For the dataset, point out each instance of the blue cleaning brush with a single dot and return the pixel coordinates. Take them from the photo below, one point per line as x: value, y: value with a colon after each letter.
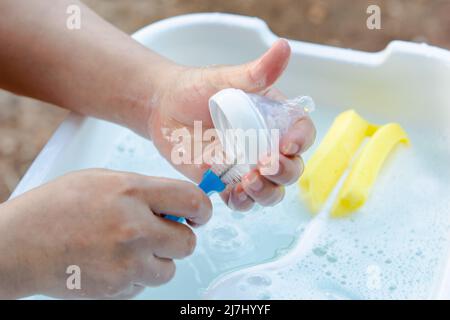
x: 216, y: 179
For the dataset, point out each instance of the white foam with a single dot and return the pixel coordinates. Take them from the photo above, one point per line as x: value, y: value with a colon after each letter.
x: 394, y: 247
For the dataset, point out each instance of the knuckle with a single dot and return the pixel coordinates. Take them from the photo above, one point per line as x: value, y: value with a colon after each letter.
x: 127, y: 185
x: 251, y: 78
x: 129, y: 231
x: 119, y: 183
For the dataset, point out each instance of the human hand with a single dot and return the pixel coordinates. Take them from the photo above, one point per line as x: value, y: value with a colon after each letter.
x: 105, y: 222
x: 183, y: 98
x: 119, y: 80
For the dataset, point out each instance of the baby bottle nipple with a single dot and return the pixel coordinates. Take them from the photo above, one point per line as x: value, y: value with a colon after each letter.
x: 235, y: 112
x: 282, y: 114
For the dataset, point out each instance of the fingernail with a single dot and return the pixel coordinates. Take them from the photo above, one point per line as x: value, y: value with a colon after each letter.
x: 271, y: 166
x: 291, y: 148
x: 241, y: 196
x: 254, y: 183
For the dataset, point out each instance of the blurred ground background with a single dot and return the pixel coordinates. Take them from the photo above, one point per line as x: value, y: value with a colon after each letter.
x: 26, y: 125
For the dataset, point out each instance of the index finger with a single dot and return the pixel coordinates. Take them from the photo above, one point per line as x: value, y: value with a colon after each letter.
x: 177, y: 198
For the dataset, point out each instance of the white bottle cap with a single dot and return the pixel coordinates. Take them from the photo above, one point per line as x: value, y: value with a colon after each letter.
x: 233, y: 109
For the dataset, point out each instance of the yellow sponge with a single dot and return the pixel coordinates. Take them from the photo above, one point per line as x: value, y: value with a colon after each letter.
x: 334, y: 155
x: 357, y: 185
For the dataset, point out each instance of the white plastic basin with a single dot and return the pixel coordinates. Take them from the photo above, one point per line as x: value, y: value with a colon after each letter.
x: 403, y: 230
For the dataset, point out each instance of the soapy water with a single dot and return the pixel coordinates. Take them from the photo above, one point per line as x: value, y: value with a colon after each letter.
x: 254, y: 281
x: 395, y: 251
x: 229, y: 240
x: 394, y: 247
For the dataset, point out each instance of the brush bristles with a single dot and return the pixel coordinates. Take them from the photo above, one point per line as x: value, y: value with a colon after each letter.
x: 220, y: 169
x: 234, y: 174
x: 230, y: 174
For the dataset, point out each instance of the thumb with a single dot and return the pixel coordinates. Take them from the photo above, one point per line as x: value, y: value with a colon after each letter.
x: 256, y: 75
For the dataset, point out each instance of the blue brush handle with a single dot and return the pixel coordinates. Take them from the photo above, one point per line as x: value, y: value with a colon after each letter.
x: 210, y: 183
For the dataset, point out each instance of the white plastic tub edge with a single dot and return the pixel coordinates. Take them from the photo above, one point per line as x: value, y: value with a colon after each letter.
x: 53, y: 150
x: 49, y: 155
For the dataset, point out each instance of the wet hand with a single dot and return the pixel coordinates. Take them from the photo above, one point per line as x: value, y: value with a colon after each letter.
x: 108, y: 224
x: 183, y: 99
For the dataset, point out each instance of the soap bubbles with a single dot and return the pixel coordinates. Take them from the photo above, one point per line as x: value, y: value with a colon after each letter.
x: 392, y: 248
x: 227, y: 241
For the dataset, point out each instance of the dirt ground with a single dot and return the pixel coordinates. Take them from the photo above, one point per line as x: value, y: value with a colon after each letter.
x: 26, y: 125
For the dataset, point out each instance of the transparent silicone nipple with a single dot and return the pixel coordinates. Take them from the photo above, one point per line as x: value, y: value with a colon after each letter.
x: 282, y: 114
x: 252, y: 125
